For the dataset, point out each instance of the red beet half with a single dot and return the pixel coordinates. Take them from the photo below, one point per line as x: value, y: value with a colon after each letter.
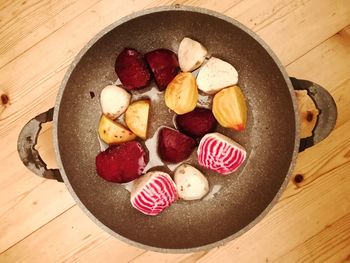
x: 132, y: 70
x: 164, y: 66
x: 173, y: 146
x: 121, y: 163
x: 196, y: 123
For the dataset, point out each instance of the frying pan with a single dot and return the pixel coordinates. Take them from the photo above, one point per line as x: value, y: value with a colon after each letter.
x: 271, y: 137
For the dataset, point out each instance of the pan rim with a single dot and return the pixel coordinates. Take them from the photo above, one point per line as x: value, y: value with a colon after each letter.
x: 149, y: 11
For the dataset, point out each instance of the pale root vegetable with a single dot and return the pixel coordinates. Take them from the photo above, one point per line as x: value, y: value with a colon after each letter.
x: 112, y: 132
x: 191, y: 184
x: 215, y: 75
x: 136, y: 117
x: 230, y: 108
x: 114, y: 101
x: 191, y: 54
x: 181, y: 94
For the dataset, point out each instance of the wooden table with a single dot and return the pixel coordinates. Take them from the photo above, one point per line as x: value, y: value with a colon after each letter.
x: 39, y: 221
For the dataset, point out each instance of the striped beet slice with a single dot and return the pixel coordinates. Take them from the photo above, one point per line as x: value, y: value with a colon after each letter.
x: 153, y: 192
x: 220, y: 153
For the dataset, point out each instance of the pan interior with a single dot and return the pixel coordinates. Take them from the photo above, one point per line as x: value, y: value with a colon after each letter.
x: 269, y: 137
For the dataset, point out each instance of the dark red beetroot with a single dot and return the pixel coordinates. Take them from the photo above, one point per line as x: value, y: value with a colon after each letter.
x: 132, y: 70
x: 196, y: 123
x: 173, y: 146
x: 164, y: 66
x: 121, y: 163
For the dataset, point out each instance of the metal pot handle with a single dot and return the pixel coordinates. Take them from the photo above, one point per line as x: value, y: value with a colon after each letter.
x: 26, y: 143
x: 327, y: 111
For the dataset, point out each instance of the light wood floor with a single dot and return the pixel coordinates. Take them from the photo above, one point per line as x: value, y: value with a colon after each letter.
x: 39, y: 221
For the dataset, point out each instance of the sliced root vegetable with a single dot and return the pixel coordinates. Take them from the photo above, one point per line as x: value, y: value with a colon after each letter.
x: 191, y: 54
x: 230, y: 108
x: 181, y: 95
x: 121, y: 163
x: 153, y: 192
x: 215, y: 75
x: 196, y: 123
x: 136, y: 117
x: 220, y: 153
x: 112, y: 132
x: 164, y: 66
x: 132, y: 70
x: 173, y: 146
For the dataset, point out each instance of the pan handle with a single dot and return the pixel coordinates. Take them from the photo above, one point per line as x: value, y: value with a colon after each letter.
x: 26, y: 143
x: 327, y: 111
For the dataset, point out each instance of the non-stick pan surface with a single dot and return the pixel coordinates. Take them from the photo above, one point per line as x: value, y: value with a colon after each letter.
x: 270, y: 138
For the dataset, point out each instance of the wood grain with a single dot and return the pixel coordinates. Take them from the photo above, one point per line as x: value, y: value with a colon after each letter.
x: 334, y: 247
x: 292, y: 28
x: 34, y: 21
x: 39, y: 39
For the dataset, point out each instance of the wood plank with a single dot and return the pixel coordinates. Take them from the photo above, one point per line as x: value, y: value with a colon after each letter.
x: 20, y: 188
x: 150, y: 256
x: 333, y: 248
x: 34, y: 21
x: 292, y: 28
x: 109, y: 249
x: 218, y: 6
x: 31, y: 209
x: 32, y: 199
x: 342, y: 101
x: 319, y: 67
x: 45, y: 148
x: 70, y: 228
